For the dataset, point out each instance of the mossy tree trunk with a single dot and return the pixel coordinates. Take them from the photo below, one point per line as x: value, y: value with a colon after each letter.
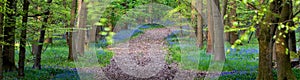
x: 282, y: 52
x: 265, y: 39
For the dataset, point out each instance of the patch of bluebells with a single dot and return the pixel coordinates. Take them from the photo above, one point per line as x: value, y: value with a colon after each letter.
x: 122, y: 35
x: 243, y: 51
x: 171, y: 39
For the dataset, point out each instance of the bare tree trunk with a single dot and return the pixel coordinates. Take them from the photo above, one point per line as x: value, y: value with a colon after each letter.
x: 199, y: 25
x: 9, y: 31
x: 82, y: 24
x: 219, y: 51
x: 92, y: 34
x: 23, y: 39
x: 71, y: 56
x: 210, y: 25
x: 37, y: 61
x: 283, y: 56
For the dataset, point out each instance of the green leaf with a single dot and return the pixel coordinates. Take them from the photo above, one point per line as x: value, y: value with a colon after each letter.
x: 99, y: 24
x: 103, y: 33
x: 107, y: 29
x: 286, y: 51
x: 103, y: 20
x: 235, y: 23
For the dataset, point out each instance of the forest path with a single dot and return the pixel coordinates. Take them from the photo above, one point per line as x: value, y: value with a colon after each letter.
x: 143, y: 58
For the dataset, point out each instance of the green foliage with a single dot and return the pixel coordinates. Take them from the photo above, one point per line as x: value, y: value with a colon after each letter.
x: 34, y: 74
x: 104, y: 57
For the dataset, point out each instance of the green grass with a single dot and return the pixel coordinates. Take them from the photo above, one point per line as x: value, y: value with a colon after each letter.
x: 56, y: 57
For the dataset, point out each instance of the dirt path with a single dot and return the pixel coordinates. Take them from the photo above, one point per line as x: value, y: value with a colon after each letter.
x: 142, y: 58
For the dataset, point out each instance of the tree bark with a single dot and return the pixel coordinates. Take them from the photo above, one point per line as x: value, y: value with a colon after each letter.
x: 23, y: 39
x: 265, y: 39
x: 283, y: 56
x: 226, y: 21
x: 37, y: 61
x: 71, y: 56
x: 199, y: 25
x: 9, y: 32
x: 210, y: 25
x: 219, y: 52
x: 81, y: 24
x: 233, y: 35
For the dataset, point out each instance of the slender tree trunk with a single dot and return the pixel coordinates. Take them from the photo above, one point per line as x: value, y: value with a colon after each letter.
x: 292, y: 39
x: 70, y: 34
x: 81, y: 24
x: 226, y: 21
x: 9, y: 31
x: 233, y: 35
x: 37, y: 62
x: 1, y: 45
x: 219, y: 51
x: 193, y: 21
x: 265, y: 39
x: 199, y: 25
x: 92, y: 34
x: 283, y: 56
x: 23, y: 39
x: 210, y: 25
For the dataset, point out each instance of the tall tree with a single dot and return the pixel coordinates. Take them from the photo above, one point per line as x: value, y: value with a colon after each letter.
x: 70, y: 35
x: 282, y: 54
x: 199, y: 25
x: 218, y: 41
x: 265, y: 39
x: 233, y: 15
x: 37, y: 61
x: 81, y: 24
x: 210, y: 25
x: 9, y: 37
x: 23, y: 38
x: 226, y: 21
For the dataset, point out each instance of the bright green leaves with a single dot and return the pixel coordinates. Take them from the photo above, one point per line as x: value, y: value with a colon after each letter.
x: 103, y: 33
x: 286, y: 51
x: 102, y: 22
x: 235, y: 24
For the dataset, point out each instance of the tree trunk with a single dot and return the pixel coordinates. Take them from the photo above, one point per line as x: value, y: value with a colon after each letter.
x: 71, y: 56
x: 265, y: 39
x: 199, y: 25
x: 233, y: 35
x: 210, y: 25
x: 37, y: 61
x: 1, y: 45
x: 283, y: 56
x: 218, y: 42
x: 9, y: 31
x: 23, y: 39
x: 81, y: 24
x: 92, y: 34
x: 226, y: 21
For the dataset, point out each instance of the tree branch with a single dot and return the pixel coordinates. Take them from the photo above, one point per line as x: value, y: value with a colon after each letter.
x: 296, y: 13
